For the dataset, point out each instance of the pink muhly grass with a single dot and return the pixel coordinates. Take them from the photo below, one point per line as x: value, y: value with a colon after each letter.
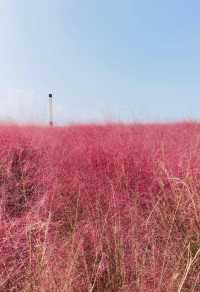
x: 100, y: 208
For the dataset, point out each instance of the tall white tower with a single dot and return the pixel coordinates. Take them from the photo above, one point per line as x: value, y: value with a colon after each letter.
x: 50, y: 110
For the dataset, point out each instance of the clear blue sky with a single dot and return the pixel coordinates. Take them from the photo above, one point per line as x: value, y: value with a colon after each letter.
x: 103, y: 60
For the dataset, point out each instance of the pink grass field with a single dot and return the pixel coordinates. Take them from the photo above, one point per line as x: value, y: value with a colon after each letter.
x: 100, y: 208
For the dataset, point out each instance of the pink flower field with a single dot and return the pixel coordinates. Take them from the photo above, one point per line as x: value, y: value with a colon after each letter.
x: 111, y: 207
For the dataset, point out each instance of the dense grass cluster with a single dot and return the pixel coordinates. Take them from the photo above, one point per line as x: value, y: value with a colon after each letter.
x: 100, y: 208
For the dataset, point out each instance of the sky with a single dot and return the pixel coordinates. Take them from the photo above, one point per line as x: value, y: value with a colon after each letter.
x: 104, y: 60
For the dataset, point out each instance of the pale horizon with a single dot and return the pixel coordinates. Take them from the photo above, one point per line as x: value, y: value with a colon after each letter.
x: 127, y: 61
